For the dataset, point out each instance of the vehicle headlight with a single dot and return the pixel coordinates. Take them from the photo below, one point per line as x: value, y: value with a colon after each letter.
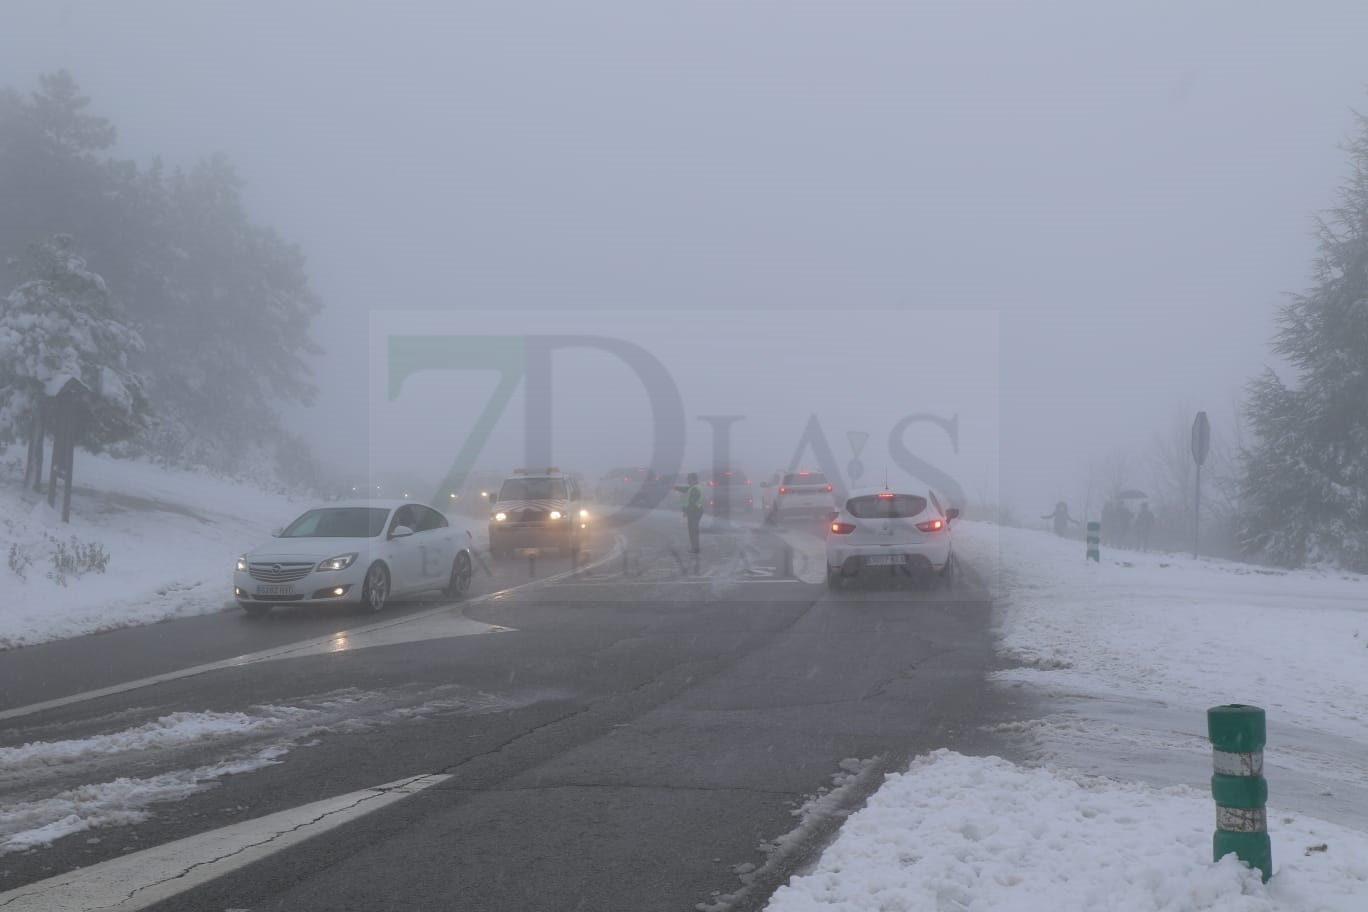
x: 555, y: 514
x: 584, y: 514
x: 340, y: 562
x: 242, y: 564
x: 500, y: 517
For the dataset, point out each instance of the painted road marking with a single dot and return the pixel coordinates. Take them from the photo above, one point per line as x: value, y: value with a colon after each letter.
x: 141, y: 879
x: 442, y: 621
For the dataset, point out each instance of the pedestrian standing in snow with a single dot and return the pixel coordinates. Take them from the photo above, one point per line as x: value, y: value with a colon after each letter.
x: 1061, y: 519
x: 1124, y: 518
x: 693, y: 510
x: 1144, y: 525
x: 1109, y: 523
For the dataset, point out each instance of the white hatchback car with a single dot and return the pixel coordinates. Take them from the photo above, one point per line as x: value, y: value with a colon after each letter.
x: 797, y: 494
x: 890, y: 532
x: 356, y: 552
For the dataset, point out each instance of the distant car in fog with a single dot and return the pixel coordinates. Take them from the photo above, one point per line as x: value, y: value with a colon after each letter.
x: 656, y: 491
x: 789, y: 494
x: 729, y: 490
x: 361, y: 553
x: 620, y: 485
x: 894, y: 533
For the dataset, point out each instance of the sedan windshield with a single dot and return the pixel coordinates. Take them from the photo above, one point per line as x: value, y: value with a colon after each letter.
x: 880, y: 506
x: 339, y: 522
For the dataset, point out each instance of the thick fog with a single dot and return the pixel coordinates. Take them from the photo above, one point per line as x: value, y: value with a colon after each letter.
x: 1058, y: 224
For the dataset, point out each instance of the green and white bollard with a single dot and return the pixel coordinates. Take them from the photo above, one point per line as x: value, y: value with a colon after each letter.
x: 1237, y: 735
x: 1095, y: 541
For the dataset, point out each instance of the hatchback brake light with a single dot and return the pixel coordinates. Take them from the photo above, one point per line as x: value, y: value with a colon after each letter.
x: 887, y: 495
x: 931, y: 525
x: 828, y: 489
x: 842, y: 528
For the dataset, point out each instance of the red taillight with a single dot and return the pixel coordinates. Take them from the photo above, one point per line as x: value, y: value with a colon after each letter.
x: 841, y: 528
x: 712, y: 482
x: 804, y: 473
x: 931, y: 525
x: 783, y: 490
x: 887, y: 495
x: 828, y: 489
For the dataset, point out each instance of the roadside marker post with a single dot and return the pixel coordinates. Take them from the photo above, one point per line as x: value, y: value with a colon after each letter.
x: 1095, y: 541
x: 1238, y: 734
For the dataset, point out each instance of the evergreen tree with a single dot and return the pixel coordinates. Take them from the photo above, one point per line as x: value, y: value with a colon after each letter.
x: 222, y: 303
x: 59, y: 324
x: 52, y: 176
x: 1304, y: 481
x: 232, y: 325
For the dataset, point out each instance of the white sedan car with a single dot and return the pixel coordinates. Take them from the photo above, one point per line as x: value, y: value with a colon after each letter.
x: 361, y: 553
x: 797, y: 494
x: 890, y: 532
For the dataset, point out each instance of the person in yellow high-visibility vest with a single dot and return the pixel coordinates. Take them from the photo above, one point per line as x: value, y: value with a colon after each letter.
x: 693, y: 509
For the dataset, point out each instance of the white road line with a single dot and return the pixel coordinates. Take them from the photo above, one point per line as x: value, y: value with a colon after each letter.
x: 377, y: 634
x: 141, y: 879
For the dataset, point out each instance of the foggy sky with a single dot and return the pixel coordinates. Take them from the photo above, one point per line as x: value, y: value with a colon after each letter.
x: 1128, y: 191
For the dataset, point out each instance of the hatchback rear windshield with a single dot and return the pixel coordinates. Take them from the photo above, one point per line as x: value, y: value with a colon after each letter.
x: 804, y: 478
x: 339, y: 522
x: 533, y: 489
x: 899, y: 506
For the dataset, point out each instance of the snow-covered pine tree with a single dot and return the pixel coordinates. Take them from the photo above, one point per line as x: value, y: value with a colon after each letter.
x: 1304, y: 480
x: 57, y: 324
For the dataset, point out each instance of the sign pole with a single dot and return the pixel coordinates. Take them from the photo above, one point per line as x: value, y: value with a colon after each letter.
x: 1197, y: 513
x: 1201, y: 444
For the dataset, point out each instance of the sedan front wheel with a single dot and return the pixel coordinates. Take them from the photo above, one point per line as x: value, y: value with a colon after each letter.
x: 376, y: 588
x: 459, y: 582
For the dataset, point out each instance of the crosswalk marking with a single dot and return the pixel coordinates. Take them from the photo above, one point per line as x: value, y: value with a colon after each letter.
x: 141, y: 879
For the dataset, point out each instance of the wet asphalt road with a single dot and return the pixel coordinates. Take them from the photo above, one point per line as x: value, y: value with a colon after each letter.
x: 637, y: 735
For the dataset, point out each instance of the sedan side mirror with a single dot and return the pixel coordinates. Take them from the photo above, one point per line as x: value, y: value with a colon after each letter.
x: 275, y: 533
x: 952, y: 513
x: 831, y: 517
x: 400, y: 532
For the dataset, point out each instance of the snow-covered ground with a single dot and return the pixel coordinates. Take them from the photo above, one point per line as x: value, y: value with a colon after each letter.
x: 1113, y: 810
x: 170, y: 538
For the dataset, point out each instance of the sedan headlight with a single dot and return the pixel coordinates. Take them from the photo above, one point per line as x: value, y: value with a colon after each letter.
x: 584, y: 514
x: 242, y: 564
x: 555, y: 514
x: 500, y: 517
x: 340, y: 562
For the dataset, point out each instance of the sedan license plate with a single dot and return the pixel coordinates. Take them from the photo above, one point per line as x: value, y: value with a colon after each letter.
x: 885, y: 560
x: 275, y: 590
